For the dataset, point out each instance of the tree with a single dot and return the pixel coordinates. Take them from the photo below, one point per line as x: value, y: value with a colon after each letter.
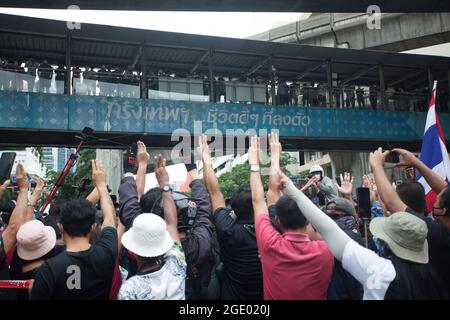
x: 70, y: 188
x: 240, y: 175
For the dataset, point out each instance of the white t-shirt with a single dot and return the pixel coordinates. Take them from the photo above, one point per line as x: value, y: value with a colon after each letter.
x: 373, y: 272
x: 167, y: 283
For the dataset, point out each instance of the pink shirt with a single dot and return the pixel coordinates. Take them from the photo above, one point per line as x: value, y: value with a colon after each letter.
x: 294, y: 267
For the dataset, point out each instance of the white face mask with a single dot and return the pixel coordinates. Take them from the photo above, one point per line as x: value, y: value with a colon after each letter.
x: 318, y: 176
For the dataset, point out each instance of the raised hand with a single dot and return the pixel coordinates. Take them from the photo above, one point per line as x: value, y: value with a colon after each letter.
x: 142, y: 155
x: 366, y: 181
x: 377, y: 157
x: 4, y: 186
x: 21, y: 178
x: 346, y: 187
x: 407, y: 159
x: 98, y: 174
x: 160, y: 170
x: 254, y: 151
x: 275, y: 145
x: 311, y: 182
x: 203, y: 149
x: 37, y: 193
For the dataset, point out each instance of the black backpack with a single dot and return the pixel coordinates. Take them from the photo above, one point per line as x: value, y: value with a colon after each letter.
x: 206, y: 281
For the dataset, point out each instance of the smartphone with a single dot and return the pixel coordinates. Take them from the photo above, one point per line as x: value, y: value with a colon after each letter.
x: 363, y: 199
x: 6, y: 165
x: 338, y: 180
x: 392, y: 157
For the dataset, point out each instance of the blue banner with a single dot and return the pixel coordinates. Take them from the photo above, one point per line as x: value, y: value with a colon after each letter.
x: 62, y: 112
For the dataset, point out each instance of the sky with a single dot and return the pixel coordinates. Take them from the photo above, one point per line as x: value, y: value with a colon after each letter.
x: 223, y: 24
x: 437, y: 50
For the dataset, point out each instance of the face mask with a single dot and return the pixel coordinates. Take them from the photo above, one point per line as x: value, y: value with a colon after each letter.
x: 318, y: 176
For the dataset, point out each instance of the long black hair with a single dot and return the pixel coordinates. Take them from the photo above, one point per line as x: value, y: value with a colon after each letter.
x: 415, y: 281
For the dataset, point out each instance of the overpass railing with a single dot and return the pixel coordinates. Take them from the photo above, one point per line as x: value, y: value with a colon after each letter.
x: 92, y: 83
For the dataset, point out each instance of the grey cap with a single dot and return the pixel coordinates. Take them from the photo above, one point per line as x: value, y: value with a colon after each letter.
x: 405, y: 234
x: 343, y: 205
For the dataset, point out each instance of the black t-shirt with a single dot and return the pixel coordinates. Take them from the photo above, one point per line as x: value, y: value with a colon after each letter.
x: 85, y: 275
x: 239, y: 253
x: 438, y: 247
x: 17, y: 264
x: 5, y: 294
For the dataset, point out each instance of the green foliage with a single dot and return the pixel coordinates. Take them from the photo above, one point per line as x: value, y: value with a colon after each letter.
x: 69, y: 189
x: 304, y: 174
x: 240, y: 175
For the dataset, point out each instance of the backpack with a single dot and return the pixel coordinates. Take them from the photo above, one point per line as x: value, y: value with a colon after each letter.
x: 207, y: 281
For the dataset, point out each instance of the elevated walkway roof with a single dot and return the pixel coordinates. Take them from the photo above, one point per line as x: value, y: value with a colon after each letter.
x: 94, y: 45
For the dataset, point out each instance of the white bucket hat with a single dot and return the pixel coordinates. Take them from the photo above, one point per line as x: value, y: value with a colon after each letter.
x: 148, y: 237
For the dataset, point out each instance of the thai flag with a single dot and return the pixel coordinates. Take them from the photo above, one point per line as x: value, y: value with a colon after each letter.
x: 434, y: 153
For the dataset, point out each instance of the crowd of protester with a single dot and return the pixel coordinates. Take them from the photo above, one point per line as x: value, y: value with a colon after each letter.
x: 272, y: 244
x: 106, y: 80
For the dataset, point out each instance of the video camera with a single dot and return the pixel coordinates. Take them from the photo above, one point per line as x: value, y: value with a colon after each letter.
x: 186, y: 210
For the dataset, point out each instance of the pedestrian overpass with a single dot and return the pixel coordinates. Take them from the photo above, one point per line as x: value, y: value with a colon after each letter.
x: 32, y: 118
x: 52, y: 119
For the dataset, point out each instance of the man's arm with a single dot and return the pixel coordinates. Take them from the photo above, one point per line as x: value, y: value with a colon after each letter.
x: 19, y: 215
x: 274, y: 193
x: 37, y: 193
x: 99, y: 179
x: 409, y: 160
x: 209, y: 176
x: 129, y: 204
x: 170, y: 210
x: 198, y: 245
x: 93, y: 197
x: 386, y: 192
x: 142, y: 158
x: 259, y: 204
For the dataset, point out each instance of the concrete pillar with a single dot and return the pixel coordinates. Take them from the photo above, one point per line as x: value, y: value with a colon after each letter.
x: 356, y: 163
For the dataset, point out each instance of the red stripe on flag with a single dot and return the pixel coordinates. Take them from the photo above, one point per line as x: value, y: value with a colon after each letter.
x: 433, y: 98
x: 431, y: 199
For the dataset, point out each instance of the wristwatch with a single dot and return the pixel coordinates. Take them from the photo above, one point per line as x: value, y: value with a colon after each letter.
x: 166, y: 188
x: 254, y: 168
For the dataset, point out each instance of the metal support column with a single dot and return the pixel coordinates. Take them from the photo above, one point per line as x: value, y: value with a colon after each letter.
x: 330, y: 84
x: 144, y: 81
x: 382, y: 87
x: 272, y: 81
x: 68, y: 78
x: 211, y: 77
